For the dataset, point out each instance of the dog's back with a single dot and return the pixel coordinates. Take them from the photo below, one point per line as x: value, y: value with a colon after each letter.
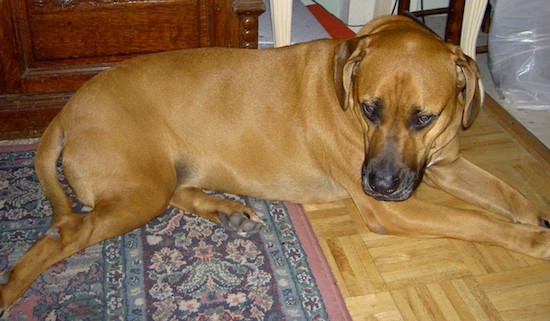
x: 174, y: 104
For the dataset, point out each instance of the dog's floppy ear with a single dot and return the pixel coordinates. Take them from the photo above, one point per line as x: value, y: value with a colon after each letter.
x: 468, y: 80
x: 347, y: 58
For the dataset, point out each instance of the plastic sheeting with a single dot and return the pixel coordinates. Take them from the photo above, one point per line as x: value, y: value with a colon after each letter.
x: 519, y: 52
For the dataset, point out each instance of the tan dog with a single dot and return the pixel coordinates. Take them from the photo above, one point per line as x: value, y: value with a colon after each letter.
x: 369, y: 117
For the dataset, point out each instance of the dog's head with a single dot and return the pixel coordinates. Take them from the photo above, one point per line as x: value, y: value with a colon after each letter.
x: 411, y: 92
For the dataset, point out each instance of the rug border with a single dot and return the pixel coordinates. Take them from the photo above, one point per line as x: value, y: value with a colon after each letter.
x: 319, y: 266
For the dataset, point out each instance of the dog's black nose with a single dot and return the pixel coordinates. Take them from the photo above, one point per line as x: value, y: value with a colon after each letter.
x: 384, y: 185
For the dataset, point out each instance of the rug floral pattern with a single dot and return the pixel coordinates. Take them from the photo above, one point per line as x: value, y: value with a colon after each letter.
x: 177, y: 267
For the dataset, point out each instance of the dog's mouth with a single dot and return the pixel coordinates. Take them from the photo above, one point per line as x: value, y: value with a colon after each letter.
x: 389, y: 183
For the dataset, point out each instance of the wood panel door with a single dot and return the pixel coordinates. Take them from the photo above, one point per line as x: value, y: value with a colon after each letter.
x: 48, y: 48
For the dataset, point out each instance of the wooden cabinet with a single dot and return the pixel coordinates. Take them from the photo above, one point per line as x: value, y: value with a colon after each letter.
x: 48, y: 48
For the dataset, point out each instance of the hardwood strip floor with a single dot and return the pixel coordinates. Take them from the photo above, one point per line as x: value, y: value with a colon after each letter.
x: 399, y: 278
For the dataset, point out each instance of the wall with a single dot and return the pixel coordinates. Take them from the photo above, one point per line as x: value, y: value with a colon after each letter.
x: 359, y: 12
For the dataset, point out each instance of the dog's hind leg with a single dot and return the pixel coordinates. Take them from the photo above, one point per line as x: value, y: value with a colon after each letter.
x: 74, y: 232
x: 236, y: 216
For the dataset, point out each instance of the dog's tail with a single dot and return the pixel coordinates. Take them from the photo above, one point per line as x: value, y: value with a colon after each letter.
x: 45, y: 163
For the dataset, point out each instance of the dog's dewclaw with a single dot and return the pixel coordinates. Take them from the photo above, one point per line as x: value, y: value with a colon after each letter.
x: 53, y: 232
x: 4, y: 277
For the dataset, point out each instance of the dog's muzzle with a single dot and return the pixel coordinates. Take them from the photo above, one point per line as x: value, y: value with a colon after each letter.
x: 387, y: 181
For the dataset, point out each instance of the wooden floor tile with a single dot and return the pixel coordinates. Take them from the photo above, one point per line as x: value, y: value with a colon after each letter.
x: 520, y: 294
x: 378, y: 306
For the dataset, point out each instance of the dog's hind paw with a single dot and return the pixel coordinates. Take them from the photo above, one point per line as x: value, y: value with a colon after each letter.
x: 241, y: 223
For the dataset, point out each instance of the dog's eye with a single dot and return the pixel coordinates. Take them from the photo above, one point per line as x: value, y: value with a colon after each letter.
x: 368, y: 108
x: 371, y: 110
x: 423, y: 121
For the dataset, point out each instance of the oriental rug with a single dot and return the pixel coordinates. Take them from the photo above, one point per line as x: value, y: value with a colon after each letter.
x: 177, y: 267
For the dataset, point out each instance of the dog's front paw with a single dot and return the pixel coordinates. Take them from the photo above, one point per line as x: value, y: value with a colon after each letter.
x: 540, y: 244
x: 241, y: 223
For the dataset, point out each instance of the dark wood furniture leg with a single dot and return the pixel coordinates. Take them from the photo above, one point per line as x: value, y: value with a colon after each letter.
x: 455, y: 14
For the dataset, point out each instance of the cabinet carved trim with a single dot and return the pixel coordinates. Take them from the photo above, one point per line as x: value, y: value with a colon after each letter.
x: 62, y: 4
x: 51, y: 47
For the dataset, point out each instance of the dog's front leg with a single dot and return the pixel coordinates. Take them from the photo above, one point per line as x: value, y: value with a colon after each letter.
x: 418, y: 218
x: 476, y: 186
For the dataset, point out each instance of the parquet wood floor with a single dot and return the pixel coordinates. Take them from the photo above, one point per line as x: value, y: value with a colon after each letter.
x: 398, y: 278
